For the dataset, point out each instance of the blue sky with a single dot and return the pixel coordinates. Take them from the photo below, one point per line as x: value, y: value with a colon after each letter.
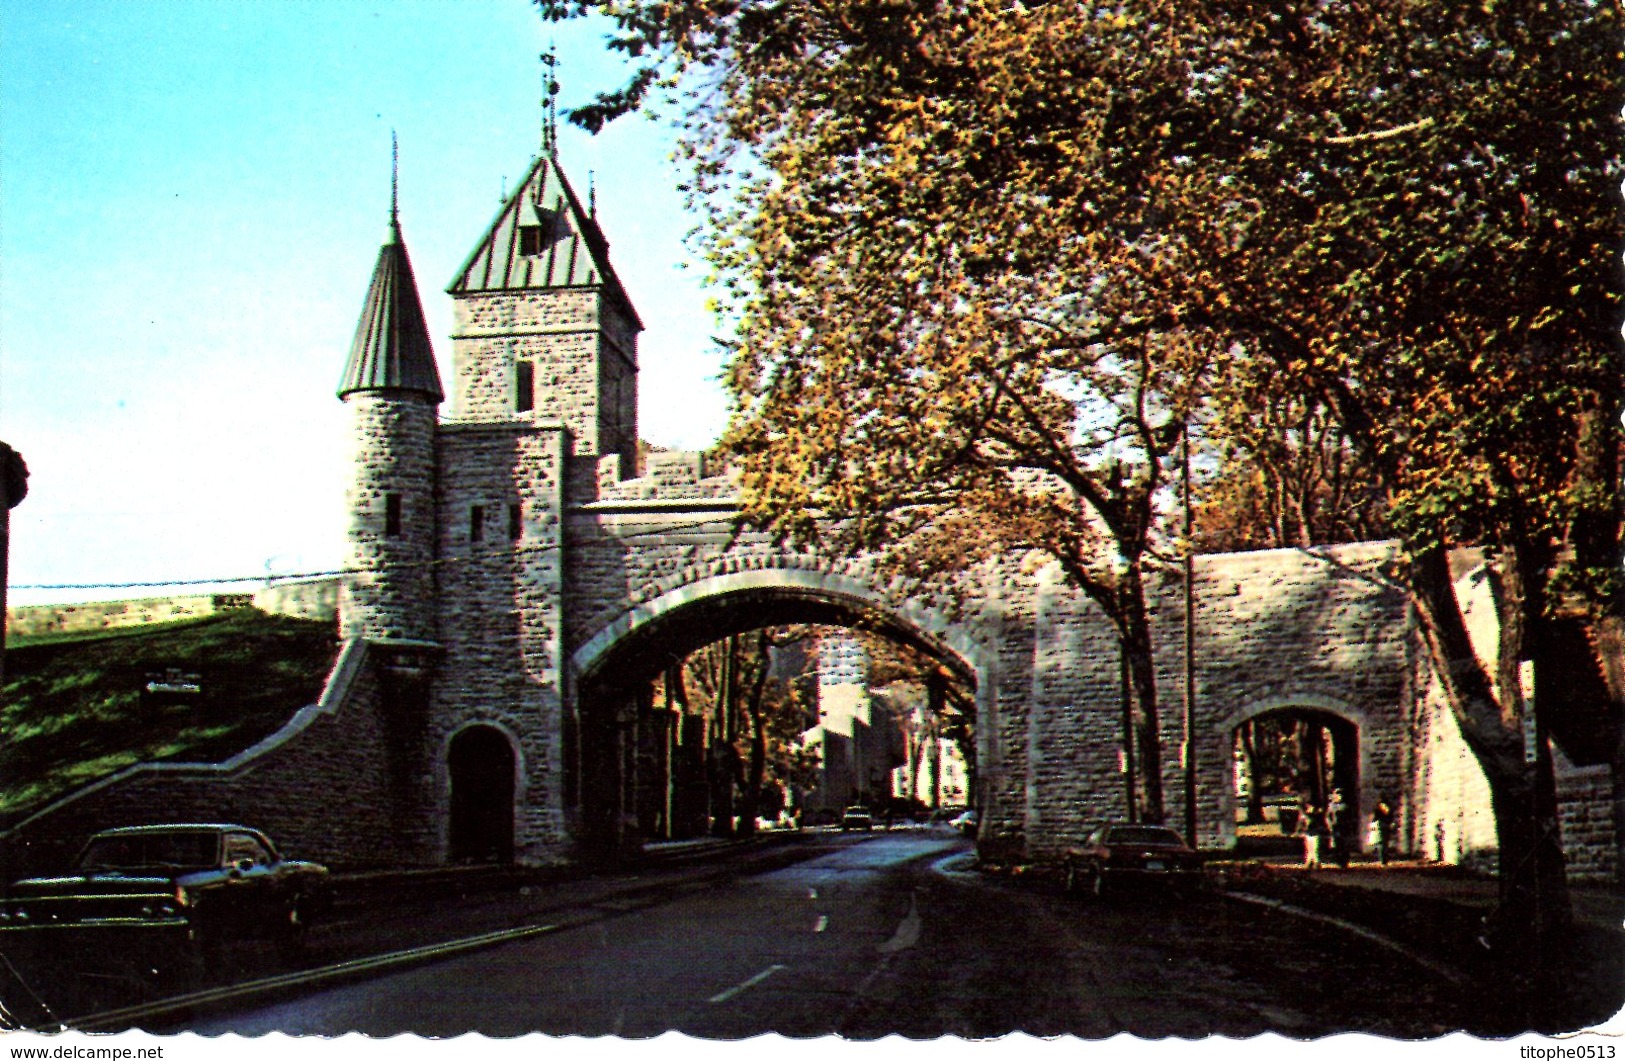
x: 192, y: 195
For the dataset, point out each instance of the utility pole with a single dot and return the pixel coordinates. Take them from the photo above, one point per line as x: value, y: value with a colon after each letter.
x: 1190, y: 644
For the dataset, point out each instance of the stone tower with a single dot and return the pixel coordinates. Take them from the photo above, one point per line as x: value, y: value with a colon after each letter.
x: 392, y: 390
x: 544, y: 332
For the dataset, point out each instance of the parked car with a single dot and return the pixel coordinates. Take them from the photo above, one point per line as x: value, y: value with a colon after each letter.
x: 857, y: 818
x: 1119, y: 854
x: 967, y: 822
x: 203, y: 884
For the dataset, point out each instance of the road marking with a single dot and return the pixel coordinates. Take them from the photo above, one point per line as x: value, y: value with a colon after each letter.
x: 908, y: 930
x: 821, y: 924
x: 723, y: 996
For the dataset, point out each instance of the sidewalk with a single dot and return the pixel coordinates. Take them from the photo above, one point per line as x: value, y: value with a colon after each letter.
x: 1595, y: 906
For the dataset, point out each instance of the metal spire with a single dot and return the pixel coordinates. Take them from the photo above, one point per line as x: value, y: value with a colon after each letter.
x: 394, y: 187
x: 550, y: 106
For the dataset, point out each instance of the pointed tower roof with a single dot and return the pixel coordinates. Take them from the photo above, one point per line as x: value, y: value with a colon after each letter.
x: 542, y: 240
x: 391, y: 350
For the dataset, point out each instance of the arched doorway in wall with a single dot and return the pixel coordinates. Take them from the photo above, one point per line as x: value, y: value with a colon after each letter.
x: 642, y: 764
x: 1296, y: 768
x: 480, y: 765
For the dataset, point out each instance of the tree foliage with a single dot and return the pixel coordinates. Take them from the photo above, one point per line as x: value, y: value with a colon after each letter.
x: 1282, y: 472
x: 987, y: 259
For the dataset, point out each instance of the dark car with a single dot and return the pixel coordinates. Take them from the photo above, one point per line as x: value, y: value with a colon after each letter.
x: 202, y: 884
x: 857, y: 818
x: 1115, y: 855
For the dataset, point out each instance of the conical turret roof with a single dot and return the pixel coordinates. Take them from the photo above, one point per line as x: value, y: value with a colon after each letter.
x: 391, y: 350
x: 542, y: 239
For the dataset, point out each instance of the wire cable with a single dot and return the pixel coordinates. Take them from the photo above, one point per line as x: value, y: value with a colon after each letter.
x: 538, y: 550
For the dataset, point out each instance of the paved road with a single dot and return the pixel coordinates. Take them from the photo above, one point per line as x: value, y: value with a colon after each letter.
x: 890, y: 935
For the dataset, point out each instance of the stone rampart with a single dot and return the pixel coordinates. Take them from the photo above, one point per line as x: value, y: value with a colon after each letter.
x: 321, y: 786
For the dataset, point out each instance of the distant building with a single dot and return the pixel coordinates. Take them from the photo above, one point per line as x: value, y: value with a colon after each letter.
x: 858, y: 747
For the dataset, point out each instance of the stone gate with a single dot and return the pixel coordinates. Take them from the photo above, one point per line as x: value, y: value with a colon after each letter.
x: 519, y: 571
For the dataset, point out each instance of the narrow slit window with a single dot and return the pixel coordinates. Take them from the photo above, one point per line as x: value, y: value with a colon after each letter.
x: 476, y: 523
x: 515, y: 522
x: 392, y: 515
x: 524, y: 386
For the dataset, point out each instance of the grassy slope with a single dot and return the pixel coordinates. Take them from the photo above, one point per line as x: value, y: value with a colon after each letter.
x: 71, y: 710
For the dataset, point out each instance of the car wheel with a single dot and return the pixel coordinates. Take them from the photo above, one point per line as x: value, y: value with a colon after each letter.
x: 207, y: 951
x: 290, y: 935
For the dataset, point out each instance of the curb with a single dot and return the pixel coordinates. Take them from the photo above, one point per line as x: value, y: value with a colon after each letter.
x: 1454, y: 976
x: 126, y: 1016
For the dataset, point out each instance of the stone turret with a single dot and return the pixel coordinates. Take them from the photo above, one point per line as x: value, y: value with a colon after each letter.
x: 392, y: 389
x: 544, y: 330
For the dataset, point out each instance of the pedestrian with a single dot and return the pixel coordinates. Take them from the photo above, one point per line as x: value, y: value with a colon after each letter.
x: 1336, y: 825
x: 1301, y: 828
x: 1316, y: 838
x: 1385, y: 830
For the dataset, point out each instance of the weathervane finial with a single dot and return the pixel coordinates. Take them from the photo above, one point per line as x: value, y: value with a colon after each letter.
x: 550, y: 107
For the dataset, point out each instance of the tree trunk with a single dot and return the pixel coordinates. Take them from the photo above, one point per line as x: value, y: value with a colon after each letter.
x: 756, y: 773
x: 1534, y: 908
x: 1143, y: 682
x: 1255, y: 787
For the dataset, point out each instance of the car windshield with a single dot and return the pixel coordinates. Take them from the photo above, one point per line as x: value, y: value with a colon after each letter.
x: 1144, y: 834
x: 178, y: 850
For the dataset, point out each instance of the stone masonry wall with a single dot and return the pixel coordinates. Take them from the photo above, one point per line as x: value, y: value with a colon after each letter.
x: 1585, y: 810
x: 314, y: 599
x: 567, y: 336
x: 326, y: 794
x: 391, y: 593
x: 1316, y: 629
x: 500, y: 615
x: 618, y: 405
x: 109, y: 615
x: 1447, y: 816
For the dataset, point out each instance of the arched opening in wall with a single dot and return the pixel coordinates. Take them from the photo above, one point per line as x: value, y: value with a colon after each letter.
x: 480, y: 763
x: 763, y: 709
x: 1296, y: 779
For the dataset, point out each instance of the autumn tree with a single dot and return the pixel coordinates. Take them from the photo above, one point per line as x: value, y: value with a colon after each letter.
x: 1276, y: 470
x: 1417, y: 234
x: 754, y: 720
x: 937, y: 257
x: 986, y: 260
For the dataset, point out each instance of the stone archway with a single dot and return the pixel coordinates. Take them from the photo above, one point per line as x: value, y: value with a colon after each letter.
x: 1295, y: 762
x: 480, y: 764
x: 613, y: 718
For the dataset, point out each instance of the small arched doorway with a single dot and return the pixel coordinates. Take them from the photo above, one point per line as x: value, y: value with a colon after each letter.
x: 480, y: 763
x: 1297, y: 771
